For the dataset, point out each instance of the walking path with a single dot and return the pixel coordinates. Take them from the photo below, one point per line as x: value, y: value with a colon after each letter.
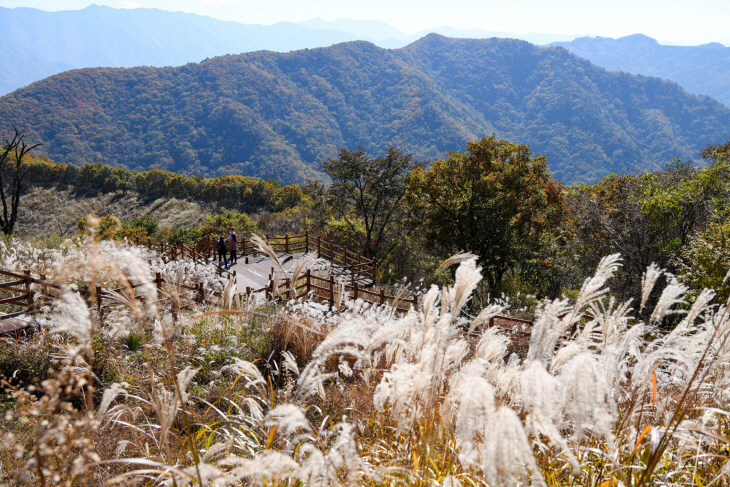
x: 256, y: 274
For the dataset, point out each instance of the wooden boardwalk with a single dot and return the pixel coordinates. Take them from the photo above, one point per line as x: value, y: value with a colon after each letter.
x: 257, y: 273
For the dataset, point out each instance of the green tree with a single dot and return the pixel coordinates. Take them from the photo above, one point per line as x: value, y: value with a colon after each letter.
x: 496, y: 200
x: 368, y: 193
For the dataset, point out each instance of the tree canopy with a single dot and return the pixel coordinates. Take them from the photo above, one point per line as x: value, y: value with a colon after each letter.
x: 495, y: 199
x: 367, y: 193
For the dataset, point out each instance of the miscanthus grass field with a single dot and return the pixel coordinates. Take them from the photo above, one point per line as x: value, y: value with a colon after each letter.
x: 163, y: 391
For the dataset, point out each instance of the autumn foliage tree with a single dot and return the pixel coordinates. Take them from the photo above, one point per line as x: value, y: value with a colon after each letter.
x: 495, y: 200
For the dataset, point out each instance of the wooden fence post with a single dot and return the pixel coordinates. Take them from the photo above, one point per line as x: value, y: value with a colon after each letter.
x: 382, y: 296
x: 220, y: 268
x: 306, y: 242
x: 45, y: 293
x: 319, y: 246
x: 87, y: 294
x: 309, y: 280
x: 98, y: 298
x: 354, y: 291
x: 286, y: 243
x: 352, y: 273
x: 372, y: 276
x: 243, y: 248
x: 158, y: 279
x: 332, y: 291
x: 415, y: 301
x: 29, y: 298
x: 149, y: 243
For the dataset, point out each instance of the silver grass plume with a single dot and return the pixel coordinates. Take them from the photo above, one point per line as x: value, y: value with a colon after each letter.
x: 264, y: 247
x: 593, y: 288
x: 299, y: 269
x: 653, y: 272
x: 485, y: 315
x: 671, y: 295
x: 167, y: 402
x: 455, y: 259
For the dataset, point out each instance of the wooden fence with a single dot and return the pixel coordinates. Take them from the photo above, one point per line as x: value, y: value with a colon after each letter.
x: 360, y: 270
x: 17, y: 293
x: 109, y: 298
x: 326, y: 289
x: 169, y: 252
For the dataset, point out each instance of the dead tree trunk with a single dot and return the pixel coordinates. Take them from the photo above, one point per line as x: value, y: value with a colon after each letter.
x: 12, y: 154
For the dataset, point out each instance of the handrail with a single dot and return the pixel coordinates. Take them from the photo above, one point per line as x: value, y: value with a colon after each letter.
x: 361, y: 268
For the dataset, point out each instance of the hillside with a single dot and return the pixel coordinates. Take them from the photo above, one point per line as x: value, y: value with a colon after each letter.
x: 276, y: 115
x: 702, y: 70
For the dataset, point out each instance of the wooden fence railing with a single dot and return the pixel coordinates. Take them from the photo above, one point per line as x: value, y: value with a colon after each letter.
x: 23, y: 300
x: 346, y: 262
x: 326, y: 289
x: 18, y: 293
x: 200, y: 253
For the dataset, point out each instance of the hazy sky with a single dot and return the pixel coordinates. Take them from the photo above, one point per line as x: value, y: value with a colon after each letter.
x: 674, y: 21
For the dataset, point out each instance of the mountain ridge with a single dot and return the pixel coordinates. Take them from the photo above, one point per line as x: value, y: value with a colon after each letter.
x: 46, y: 43
x: 701, y: 70
x: 277, y: 115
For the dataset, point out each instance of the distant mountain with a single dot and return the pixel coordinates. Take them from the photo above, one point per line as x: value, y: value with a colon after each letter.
x: 532, y: 37
x: 277, y: 115
x: 38, y: 44
x: 387, y: 36
x: 375, y: 31
x: 702, y: 70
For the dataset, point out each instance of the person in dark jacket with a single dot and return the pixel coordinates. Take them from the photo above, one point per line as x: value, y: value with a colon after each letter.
x: 222, y: 250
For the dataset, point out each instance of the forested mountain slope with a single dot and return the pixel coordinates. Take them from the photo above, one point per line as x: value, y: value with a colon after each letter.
x: 702, y: 70
x: 277, y: 115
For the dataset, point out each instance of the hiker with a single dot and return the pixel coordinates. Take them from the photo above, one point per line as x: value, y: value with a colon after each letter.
x: 222, y: 250
x: 233, y: 245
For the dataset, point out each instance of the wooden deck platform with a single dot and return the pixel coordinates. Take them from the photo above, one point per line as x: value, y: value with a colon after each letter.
x: 255, y: 274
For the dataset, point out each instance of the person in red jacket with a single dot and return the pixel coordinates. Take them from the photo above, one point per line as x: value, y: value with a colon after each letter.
x: 233, y: 245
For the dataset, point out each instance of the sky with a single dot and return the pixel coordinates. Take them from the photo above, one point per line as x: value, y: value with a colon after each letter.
x: 669, y: 21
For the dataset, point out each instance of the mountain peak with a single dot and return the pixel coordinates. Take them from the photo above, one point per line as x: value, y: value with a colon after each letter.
x: 638, y: 39
x: 713, y: 45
